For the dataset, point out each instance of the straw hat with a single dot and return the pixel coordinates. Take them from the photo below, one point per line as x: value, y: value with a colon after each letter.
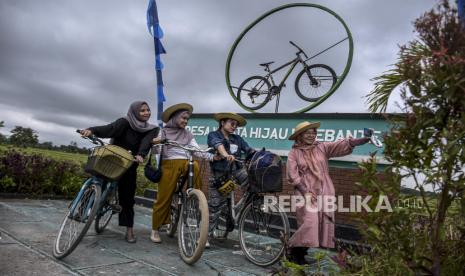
x: 165, y: 117
x: 301, y: 127
x: 229, y: 115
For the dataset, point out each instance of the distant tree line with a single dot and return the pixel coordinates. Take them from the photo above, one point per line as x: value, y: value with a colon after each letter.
x: 27, y: 137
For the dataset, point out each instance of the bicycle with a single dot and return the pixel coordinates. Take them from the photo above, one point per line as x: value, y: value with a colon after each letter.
x: 257, y: 91
x: 97, y: 198
x: 262, y: 229
x: 189, y: 211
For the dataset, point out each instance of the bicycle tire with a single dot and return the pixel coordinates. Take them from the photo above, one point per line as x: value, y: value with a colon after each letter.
x: 283, y: 233
x: 95, y: 189
x: 174, y: 216
x: 326, y: 79
x: 242, y: 90
x: 105, y: 214
x: 199, y: 245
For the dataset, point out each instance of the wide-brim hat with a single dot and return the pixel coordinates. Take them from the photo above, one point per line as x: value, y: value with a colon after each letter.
x: 230, y: 115
x: 165, y: 117
x: 301, y: 127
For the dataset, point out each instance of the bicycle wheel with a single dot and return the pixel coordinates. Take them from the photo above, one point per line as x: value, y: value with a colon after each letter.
x: 254, y: 92
x: 174, y: 215
x: 76, y: 223
x: 315, y: 82
x: 262, y: 232
x: 105, y: 213
x: 193, y: 226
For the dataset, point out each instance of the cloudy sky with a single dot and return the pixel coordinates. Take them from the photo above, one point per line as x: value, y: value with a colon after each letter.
x: 72, y: 64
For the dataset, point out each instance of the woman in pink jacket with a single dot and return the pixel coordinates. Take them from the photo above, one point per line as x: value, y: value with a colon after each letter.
x: 308, y: 172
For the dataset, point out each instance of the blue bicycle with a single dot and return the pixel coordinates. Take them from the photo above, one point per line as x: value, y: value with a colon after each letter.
x: 97, y: 198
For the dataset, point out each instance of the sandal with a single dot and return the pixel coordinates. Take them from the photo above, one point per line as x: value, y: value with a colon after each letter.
x: 130, y: 240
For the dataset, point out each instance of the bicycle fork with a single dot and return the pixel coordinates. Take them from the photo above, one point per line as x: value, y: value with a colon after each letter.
x: 83, y: 210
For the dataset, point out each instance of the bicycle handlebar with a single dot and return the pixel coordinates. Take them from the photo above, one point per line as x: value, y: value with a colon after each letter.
x: 300, y: 49
x: 184, y: 147
x: 94, y: 139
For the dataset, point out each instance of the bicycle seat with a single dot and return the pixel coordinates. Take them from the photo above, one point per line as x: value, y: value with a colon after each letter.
x: 267, y: 63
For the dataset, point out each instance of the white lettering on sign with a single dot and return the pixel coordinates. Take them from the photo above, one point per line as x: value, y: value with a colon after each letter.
x: 282, y: 133
x: 274, y: 134
x: 266, y: 133
x: 340, y: 135
x: 254, y: 132
x: 269, y: 133
x: 329, y: 134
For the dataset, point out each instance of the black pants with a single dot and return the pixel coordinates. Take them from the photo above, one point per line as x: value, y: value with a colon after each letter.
x: 297, y: 255
x: 126, y: 193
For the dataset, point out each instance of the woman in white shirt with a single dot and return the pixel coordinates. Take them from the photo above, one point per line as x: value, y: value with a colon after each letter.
x: 174, y: 163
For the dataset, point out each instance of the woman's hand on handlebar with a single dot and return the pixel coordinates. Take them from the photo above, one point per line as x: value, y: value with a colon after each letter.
x: 86, y: 132
x: 229, y: 157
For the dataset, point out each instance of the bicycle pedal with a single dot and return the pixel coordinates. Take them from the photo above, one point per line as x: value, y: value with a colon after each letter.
x: 116, y: 208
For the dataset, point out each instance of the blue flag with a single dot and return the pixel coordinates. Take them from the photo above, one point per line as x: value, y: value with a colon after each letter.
x: 155, y: 30
x: 461, y: 10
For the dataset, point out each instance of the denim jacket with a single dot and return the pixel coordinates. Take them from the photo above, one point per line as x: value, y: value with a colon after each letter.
x: 216, y: 138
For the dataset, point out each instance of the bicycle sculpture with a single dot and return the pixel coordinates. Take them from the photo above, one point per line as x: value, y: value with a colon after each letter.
x: 312, y: 83
x: 315, y: 82
x: 97, y: 198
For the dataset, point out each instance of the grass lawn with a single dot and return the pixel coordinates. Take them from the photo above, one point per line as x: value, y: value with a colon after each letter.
x: 142, y: 182
x: 58, y: 155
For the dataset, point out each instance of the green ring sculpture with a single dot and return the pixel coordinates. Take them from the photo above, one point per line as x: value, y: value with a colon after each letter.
x: 339, y: 80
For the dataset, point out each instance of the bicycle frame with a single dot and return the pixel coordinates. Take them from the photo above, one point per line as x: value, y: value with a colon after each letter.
x: 239, y: 206
x: 269, y: 76
x: 292, y: 63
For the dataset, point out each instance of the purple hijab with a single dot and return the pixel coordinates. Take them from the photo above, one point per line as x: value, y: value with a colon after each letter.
x: 134, y: 119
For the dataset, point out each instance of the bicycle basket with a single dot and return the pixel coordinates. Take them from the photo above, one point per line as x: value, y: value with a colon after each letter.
x: 109, y: 161
x: 265, y: 173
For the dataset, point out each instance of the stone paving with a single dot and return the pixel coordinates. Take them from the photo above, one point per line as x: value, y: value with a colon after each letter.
x: 28, y: 229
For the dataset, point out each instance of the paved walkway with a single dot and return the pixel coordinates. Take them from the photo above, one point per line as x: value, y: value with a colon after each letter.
x: 28, y: 229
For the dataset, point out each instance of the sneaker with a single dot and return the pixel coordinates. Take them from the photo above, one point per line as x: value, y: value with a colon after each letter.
x: 155, y: 237
x: 207, y: 244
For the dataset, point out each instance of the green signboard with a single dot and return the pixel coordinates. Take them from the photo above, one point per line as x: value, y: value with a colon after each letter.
x: 272, y: 130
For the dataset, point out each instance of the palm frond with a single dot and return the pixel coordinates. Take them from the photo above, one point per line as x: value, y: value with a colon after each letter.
x: 384, y: 86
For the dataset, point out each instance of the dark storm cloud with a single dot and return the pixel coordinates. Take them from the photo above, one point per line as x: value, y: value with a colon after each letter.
x: 68, y: 64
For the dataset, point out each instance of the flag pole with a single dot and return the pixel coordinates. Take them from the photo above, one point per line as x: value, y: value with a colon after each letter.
x: 157, y: 33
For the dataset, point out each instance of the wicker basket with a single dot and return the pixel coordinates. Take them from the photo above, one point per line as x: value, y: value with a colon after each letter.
x: 109, y: 161
x: 267, y: 179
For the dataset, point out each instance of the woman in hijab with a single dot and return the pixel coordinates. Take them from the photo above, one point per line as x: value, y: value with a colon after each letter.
x: 174, y: 163
x: 133, y: 133
x: 308, y: 172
